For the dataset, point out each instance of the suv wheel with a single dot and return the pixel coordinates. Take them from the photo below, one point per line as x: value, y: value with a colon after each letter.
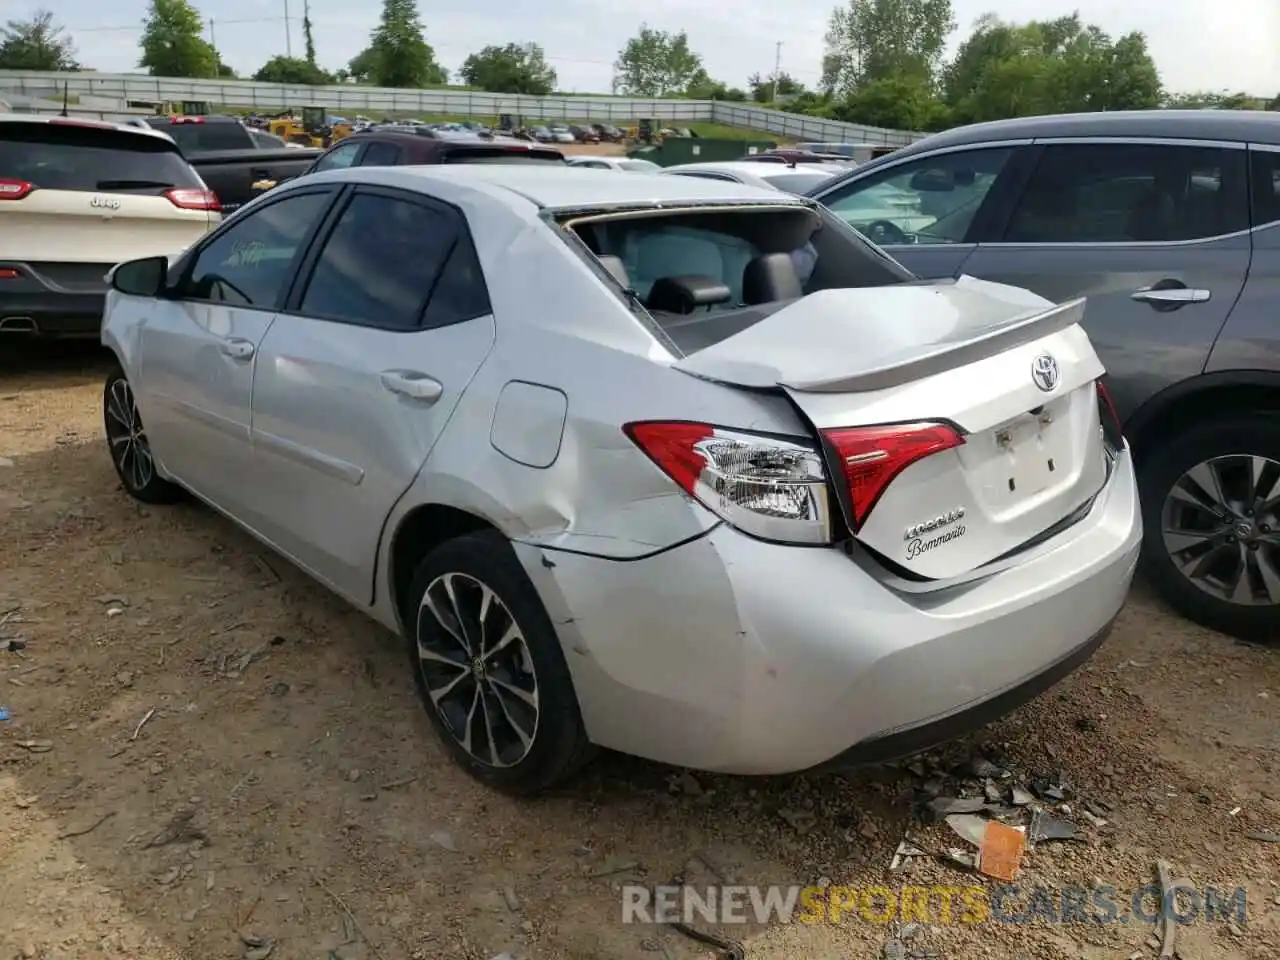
x: 128, y: 444
x: 490, y: 669
x: 1211, y: 517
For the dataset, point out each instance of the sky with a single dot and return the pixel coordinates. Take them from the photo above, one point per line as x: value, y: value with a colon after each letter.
x: 1231, y: 45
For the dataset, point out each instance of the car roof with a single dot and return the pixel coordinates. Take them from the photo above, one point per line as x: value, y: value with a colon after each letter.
x: 1227, y: 125
x: 561, y: 186
x: 85, y: 122
x: 752, y: 167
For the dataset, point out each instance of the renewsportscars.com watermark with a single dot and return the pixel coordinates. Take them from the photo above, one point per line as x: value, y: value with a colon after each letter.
x: 1002, y: 903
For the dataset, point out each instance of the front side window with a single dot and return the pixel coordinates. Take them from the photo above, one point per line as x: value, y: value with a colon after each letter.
x: 250, y: 264
x: 1264, y: 171
x: 1131, y: 192
x: 389, y: 261
x: 930, y: 200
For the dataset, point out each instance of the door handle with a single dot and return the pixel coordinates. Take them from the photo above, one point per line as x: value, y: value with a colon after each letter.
x: 412, y: 384
x: 1171, y: 295
x: 236, y: 348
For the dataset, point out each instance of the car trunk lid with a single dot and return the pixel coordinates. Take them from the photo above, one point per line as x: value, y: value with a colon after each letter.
x: 1002, y: 380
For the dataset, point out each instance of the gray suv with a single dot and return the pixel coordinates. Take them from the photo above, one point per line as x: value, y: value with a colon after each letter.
x: 1169, y: 222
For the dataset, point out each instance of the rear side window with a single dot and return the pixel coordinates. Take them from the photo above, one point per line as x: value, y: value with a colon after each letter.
x: 338, y: 157
x: 389, y: 261
x: 205, y: 137
x: 380, y: 155
x: 91, y: 160
x: 1265, y: 172
x: 1127, y: 193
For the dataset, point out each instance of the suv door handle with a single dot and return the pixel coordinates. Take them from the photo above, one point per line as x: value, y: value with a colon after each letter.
x: 1171, y: 295
x: 237, y: 348
x: 412, y: 384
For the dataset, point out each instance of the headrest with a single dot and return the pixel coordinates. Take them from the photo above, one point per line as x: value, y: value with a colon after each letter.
x: 685, y: 294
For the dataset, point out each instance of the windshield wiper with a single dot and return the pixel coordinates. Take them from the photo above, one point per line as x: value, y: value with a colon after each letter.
x: 131, y: 184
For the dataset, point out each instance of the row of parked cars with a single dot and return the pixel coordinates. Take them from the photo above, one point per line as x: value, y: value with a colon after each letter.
x: 743, y: 491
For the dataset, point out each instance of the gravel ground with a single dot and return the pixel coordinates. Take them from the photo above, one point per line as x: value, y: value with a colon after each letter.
x: 285, y: 796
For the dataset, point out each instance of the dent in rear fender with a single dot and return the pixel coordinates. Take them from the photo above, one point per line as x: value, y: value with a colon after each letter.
x: 602, y: 495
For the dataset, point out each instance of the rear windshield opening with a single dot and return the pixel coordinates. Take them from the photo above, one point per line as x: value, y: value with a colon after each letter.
x: 90, y: 160
x: 703, y: 276
x: 206, y: 137
x: 482, y: 155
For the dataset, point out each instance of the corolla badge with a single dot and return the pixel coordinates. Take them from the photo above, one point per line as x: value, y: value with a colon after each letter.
x: 1044, y: 372
x: 930, y: 534
x: 104, y: 203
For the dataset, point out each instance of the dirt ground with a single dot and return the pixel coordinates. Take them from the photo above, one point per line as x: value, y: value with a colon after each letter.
x: 209, y: 757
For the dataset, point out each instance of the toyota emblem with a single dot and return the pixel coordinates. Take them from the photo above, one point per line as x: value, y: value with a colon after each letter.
x: 1044, y: 371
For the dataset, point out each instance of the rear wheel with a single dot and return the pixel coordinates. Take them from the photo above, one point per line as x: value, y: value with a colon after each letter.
x: 490, y: 669
x: 129, y: 446
x: 1211, y: 512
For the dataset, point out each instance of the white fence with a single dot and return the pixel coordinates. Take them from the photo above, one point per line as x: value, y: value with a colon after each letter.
x: 374, y: 101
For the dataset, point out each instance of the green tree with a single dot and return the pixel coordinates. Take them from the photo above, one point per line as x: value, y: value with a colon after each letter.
x: 1053, y: 66
x: 702, y: 87
x: 173, y: 44
x: 899, y: 103
x: 36, y: 44
x: 398, y: 54
x: 655, y: 63
x: 1274, y: 104
x: 308, y: 39
x: 291, y: 70
x: 1210, y: 100
x: 870, y: 40
x: 514, y: 68
x: 764, y: 90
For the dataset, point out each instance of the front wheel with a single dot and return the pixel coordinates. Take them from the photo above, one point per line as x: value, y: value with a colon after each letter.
x: 1211, y: 513
x: 490, y: 669
x: 128, y: 445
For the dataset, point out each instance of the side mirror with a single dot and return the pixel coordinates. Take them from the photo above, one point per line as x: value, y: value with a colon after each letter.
x: 933, y: 181
x: 141, y: 278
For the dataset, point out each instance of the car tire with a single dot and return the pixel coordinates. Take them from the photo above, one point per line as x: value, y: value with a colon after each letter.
x: 128, y: 445
x: 480, y: 704
x: 1201, y: 514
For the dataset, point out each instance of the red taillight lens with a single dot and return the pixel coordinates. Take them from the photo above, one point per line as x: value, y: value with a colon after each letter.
x: 75, y: 122
x: 186, y: 119
x: 9, y: 273
x: 14, y: 189
x: 673, y: 447
x: 194, y: 199
x: 1109, y: 418
x: 871, y: 457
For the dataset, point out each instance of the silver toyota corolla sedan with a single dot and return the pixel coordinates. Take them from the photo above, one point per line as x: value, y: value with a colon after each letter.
x: 622, y: 476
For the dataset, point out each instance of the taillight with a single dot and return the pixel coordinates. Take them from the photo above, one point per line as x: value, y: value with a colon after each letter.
x: 767, y: 487
x: 872, y: 457
x: 15, y: 189
x: 177, y: 119
x: 193, y: 199
x: 9, y: 273
x: 1112, y: 431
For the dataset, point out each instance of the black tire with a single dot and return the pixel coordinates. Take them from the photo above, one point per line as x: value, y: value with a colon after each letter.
x: 1161, y: 469
x: 558, y: 747
x: 128, y: 447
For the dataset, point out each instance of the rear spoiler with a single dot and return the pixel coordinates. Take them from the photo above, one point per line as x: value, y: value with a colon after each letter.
x: 839, y: 354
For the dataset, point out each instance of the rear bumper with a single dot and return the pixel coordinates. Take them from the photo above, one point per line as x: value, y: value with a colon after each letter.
x: 35, y: 305
x: 738, y: 656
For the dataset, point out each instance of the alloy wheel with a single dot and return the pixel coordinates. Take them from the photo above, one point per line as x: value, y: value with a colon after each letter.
x: 127, y: 440
x: 1221, y: 528
x: 477, y: 670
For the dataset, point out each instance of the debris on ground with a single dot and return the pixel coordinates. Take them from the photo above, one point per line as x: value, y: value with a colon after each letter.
x: 180, y: 829
x: 1045, y: 827
x: 801, y: 821
x: 1000, y: 854
x: 1263, y: 836
x: 906, y: 849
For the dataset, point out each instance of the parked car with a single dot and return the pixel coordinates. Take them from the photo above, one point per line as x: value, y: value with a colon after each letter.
x: 766, y: 176
x: 793, y: 156
x: 76, y: 197
x: 608, y: 132
x: 561, y: 134
x: 1168, y: 221
x: 390, y: 147
x: 542, y: 134
x: 584, y: 134
x: 231, y: 157
x: 812, y: 530
x: 628, y: 164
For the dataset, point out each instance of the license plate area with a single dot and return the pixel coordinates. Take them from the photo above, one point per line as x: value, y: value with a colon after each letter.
x: 1028, y: 458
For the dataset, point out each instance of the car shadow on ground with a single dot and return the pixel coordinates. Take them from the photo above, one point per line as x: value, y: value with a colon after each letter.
x: 208, y: 753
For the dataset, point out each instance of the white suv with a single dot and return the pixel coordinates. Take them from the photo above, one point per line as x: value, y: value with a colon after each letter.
x: 76, y: 198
